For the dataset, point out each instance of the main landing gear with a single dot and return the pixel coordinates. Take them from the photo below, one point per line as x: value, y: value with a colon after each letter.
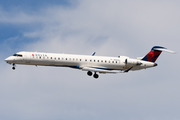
x: 95, y: 75
x: 13, y: 66
x: 90, y: 74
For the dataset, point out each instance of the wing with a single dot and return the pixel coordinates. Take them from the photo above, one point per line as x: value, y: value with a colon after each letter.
x: 100, y: 70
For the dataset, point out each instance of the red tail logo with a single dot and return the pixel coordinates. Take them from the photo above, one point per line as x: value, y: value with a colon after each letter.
x: 153, y: 54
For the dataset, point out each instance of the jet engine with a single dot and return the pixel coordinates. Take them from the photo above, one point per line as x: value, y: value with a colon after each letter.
x: 132, y: 62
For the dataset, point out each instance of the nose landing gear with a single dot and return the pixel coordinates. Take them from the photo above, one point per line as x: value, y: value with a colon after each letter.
x: 90, y: 74
x: 13, y: 66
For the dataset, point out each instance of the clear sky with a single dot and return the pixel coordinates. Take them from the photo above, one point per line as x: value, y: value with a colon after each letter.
x: 111, y: 28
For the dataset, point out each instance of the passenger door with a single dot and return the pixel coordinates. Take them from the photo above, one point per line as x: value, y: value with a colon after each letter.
x: 27, y: 57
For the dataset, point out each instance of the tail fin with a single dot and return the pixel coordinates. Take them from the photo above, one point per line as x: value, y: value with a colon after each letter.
x: 154, y: 53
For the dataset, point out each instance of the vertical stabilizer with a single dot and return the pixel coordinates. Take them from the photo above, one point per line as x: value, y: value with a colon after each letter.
x: 154, y: 53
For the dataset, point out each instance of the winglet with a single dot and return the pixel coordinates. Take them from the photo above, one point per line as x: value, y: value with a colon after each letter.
x: 93, y: 53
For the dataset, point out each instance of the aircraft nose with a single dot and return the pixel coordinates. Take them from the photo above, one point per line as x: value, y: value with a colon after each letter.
x: 8, y: 60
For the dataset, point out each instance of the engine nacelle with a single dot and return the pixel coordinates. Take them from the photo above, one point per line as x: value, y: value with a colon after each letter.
x: 132, y: 62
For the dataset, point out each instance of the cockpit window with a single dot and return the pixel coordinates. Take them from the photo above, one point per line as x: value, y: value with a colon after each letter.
x: 18, y: 55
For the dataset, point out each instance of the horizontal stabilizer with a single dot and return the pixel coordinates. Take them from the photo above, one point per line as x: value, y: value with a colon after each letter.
x: 164, y: 50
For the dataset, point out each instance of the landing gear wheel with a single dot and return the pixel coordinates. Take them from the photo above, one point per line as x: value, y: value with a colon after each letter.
x: 89, y: 73
x: 95, y: 75
x: 13, y: 68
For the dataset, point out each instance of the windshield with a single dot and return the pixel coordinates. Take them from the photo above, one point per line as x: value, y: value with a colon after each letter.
x: 19, y: 55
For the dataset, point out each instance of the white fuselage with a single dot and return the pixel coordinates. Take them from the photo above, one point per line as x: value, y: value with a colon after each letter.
x: 78, y: 61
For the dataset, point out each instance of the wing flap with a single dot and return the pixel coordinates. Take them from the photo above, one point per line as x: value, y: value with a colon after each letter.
x: 100, y: 70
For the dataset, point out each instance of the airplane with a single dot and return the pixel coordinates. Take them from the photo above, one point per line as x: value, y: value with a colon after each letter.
x: 90, y: 63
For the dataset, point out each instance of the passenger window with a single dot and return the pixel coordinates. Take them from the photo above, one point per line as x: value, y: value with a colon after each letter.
x: 66, y: 58
x: 101, y: 60
x: 85, y: 59
x: 58, y: 58
x: 90, y: 60
x: 97, y: 60
x: 51, y: 57
x: 112, y: 61
x: 39, y: 57
x: 94, y: 60
x: 69, y: 58
x: 55, y: 58
x: 80, y: 59
x: 105, y: 61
